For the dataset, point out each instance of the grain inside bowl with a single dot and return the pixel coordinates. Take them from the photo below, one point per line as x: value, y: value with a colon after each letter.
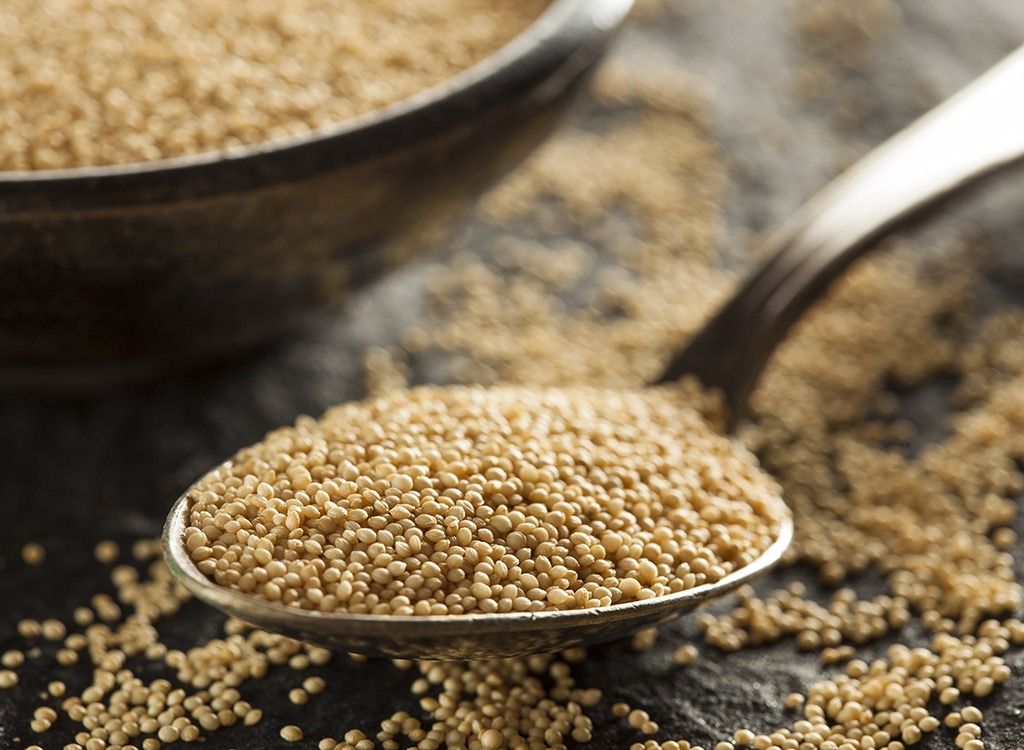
x: 97, y: 82
x: 441, y: 501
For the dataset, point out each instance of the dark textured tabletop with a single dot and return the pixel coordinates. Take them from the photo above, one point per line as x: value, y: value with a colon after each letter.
x: 72, y: 474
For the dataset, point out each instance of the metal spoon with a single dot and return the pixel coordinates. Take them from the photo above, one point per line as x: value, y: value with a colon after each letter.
x: 976, y: 132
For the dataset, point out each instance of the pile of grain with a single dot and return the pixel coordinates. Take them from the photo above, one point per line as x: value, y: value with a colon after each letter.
x: 437, y: 501
x: 93, y: 82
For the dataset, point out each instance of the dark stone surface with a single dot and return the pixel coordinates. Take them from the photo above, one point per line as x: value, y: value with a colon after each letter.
x: 72, y: 474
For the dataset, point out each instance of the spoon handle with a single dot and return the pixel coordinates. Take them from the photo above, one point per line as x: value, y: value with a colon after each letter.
x: 974, y: 133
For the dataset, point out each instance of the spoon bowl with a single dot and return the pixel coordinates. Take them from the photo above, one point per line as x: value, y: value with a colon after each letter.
x: 453, y: 637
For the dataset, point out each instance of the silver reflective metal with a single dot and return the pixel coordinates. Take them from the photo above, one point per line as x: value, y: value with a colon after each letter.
x: 453, y: 636
x: 977, y: 132
x: 973, y: 134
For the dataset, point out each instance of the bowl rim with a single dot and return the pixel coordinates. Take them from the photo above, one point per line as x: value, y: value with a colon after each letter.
x: 568, y: 34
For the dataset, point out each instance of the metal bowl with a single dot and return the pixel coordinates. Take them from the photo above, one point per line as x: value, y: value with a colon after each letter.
x: 119, y: 274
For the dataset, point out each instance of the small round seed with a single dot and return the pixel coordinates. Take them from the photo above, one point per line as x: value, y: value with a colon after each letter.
x: 107, y: 551
x: 33, y: 554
